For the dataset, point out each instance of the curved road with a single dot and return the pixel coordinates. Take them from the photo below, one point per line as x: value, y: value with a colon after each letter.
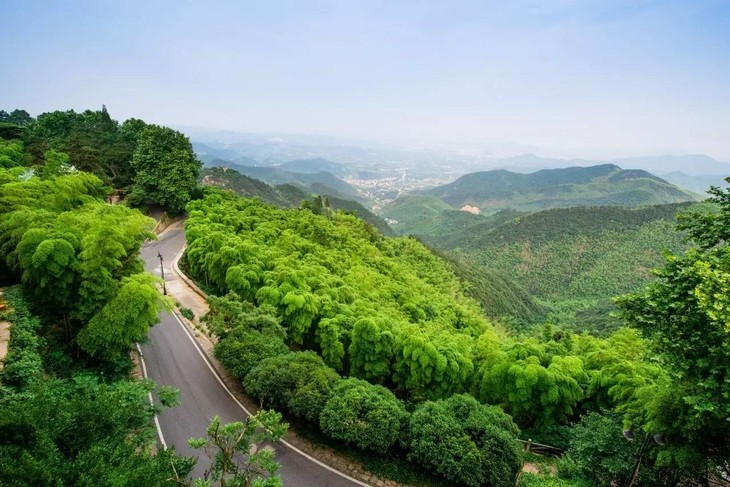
x: 173, y: 358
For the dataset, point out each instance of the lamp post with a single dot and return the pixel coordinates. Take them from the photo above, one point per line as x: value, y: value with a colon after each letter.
x: 631, y: 436
x: 162, y: 271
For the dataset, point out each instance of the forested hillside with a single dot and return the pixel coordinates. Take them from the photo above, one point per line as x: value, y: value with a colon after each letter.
x: 286, y: 195
x: 368, y: 336
x: 321, y: 182
x: 492, y: 191
x: 573, y: 260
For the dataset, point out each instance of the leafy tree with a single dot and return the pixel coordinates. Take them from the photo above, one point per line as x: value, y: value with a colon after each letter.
x: 238, y: 456
x: 125, y: 319
x: 56, y: 164
x: 537, y: 389
x: 166, y: 168
x: 599, y: 455
x: 12, y: 154
x: 685, y: 313
x: 243, y: 349
x: 466, y: 442
x: 17, y: 117
x: 433, y: 366
x: 371, y: 350
x: 363, y: 414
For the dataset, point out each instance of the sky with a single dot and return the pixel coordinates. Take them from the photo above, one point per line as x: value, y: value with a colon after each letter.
x: 579, y: 78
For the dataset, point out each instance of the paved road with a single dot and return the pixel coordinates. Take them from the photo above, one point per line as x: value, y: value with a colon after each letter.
x: 173, y: 358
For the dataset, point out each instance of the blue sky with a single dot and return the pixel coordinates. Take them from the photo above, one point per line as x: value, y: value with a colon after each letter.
x: 589, y: 77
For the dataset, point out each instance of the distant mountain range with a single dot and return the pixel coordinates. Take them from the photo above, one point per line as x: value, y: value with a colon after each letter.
x: 286, y: 195
x: 604, y: 185
x: 320, y: 182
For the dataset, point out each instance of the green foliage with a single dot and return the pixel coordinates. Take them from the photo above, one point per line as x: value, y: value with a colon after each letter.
x: 684, y: 312
x: 166, y: 168
x: 368, y: 416
x: 537, y: 388
x: 12, y: 154
x: 81, y: 432
x: 339, y: 290
x: 236, y: 451
x: 599, y: 455
x: 17, y: 117
x: 566, y: 263
x: 93, y: 141
x: 77, y: 258
x: 187, y: 313
x: 433, y: 365
x: 533, y: 480
x: 22, y: 366
x: 466, y: 442
x: 299, y: 382
x: 125, y: 319
x: 371, y: 350
x: 286, y: 195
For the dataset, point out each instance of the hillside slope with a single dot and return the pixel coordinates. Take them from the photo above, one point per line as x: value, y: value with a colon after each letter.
x: 571, y: 260
x: 320, y: 182
x: 604, y: 185
x: 285, y: 195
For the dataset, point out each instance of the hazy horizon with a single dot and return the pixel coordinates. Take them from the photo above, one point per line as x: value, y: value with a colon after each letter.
x: 594, y: 79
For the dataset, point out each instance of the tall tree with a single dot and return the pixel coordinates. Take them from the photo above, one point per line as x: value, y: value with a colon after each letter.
x: 167, y: 168
x: 686, y: 311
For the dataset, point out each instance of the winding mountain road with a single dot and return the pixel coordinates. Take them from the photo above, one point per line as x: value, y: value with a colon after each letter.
x: 172, y: 357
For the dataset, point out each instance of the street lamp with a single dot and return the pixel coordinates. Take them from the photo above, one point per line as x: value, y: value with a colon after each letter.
x: 631, y: 436
x: 162, y: 271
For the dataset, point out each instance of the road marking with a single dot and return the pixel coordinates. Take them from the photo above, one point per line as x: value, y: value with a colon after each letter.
x: 225, y: 387
x: 152, y: 402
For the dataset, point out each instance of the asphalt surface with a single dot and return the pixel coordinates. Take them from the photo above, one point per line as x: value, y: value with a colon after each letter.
x: 173, y: 358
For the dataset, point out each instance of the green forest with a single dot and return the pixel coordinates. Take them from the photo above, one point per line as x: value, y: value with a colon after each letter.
x: 348, y: 323
x: 375, y: 344
x: 563, y: 265
x: 77, y: 299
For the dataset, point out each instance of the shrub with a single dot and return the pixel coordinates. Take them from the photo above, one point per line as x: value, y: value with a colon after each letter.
x: 187, y: 313
x: 364, y: 414
x: 466, y: 442
x: 299, y: 382
x: 243, y: 349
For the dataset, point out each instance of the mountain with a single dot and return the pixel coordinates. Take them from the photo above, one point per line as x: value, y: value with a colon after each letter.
x: 697, y: 184
x: 285, y: 195
x: 691, y: 164
x: 313, y: 166
x: 572, y: 260
x: 320, y: 183
x: 607, y: 184
x: 243, y: 185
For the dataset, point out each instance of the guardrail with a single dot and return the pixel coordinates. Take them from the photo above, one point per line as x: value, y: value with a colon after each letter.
x: 540, y: 449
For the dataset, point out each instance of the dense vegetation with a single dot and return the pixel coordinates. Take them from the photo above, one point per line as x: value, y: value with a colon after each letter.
x: 564, y: 263
x: 69, y: 413
x: 156, y: 164
x: 604, y: 185
x: 372, y: 340
x: 380, y: 326
x: 285, y: 195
